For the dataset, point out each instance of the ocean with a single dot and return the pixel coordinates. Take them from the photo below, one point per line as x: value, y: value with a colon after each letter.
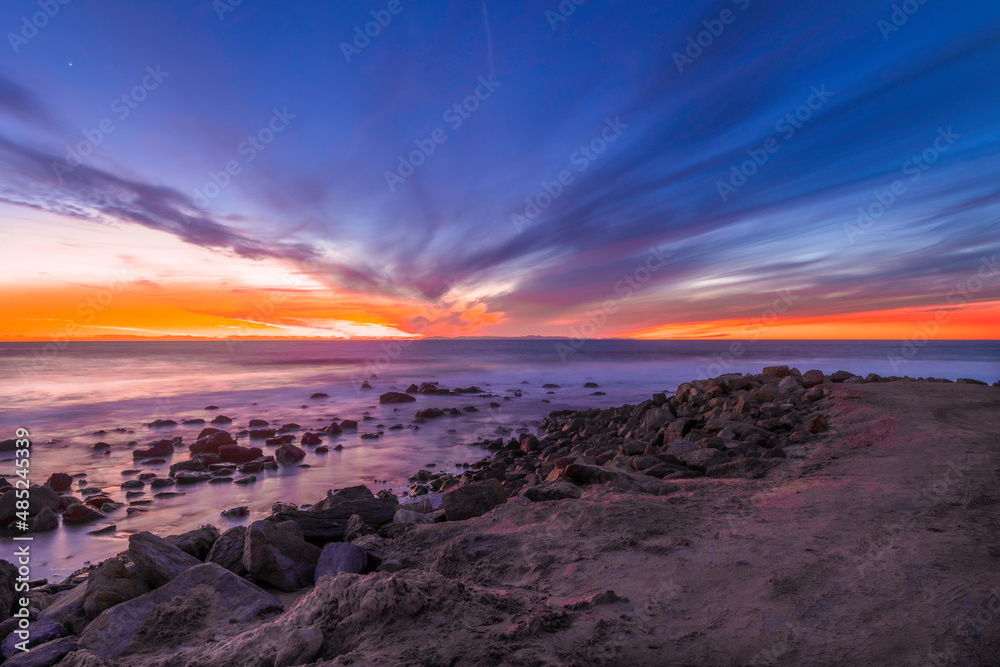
x: 64, y: 393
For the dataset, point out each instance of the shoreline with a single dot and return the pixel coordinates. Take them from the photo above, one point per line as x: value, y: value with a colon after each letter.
x: 712, y: 434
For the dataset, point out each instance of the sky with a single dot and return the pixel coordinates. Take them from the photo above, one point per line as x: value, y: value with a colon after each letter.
x: 589, y: 168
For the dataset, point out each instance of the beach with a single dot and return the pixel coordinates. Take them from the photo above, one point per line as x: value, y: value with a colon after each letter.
x: 782, y: 517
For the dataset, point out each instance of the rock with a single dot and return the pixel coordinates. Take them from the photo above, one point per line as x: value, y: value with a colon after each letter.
x: 472, y: 500
x: 45, y: 521
x: 110, y: 584
x: 238, y: 454
x: 236, y: 512
x: 320, y: 394
x: 776, y: 371
x: 330, y: 524
x: 404, y: 515
x: 789, y: 383
x: 840, y: 376
x: 8, y: 578
x: 334, y: 429
x: 678, y: 429
x: 258, y: 422
x: 366, y: 385
x: 211, y: 442
x: 158, y: 423
x: 191, y: 477
x: 262, y: 433
x: 311, y: 439
x: 285, y: 439
x: 681, y: 446
x: 289, y: 454
x: 277, y: 553
x: 396, y: 397
x: 815, y: 424
x: 197, y: 542
x: 67, y: 609
x: 359, y: 492
x: 703, y: 457
x: 39, y: 632
x: 157, y: 448
x: 813, y: 395
x: 41, y: 496
x: 971, y: 381
x: 59, y: 481
x: 206, y: 600
x: 812, y: 378
x: 44, y: 655
x: 338, y: 557
x: 554, y: 490
x: 222, y: 419
x: 429, y: 413
x: 348, y: 423
x: 228, y: 550
x: 81, y: 513
x: 156, y: 560
x: 249, y: 479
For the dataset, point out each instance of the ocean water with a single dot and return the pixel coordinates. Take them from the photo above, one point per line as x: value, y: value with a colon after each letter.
x: 63, y: 394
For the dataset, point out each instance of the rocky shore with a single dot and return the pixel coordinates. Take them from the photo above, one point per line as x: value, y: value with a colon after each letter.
x: 598, y: 540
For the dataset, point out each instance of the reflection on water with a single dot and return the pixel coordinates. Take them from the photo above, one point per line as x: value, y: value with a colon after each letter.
x: 63, y: 399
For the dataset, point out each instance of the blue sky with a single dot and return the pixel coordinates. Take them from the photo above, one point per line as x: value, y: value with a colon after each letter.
x: 445, y: 235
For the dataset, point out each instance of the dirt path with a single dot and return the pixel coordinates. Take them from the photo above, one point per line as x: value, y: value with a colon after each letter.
x: 876, y: 545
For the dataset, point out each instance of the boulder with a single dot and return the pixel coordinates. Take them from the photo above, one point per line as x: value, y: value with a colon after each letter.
x: 815, y: 424
x: 228, y: 550
x: 285, y: 439
x: 59, y: 481
x: 45, y: 521
x: 155, y: 449
x: 776, y: 371
x: 840, y: 376
x: 277, y: 554
x: 429, y: 413
x: 206, y: 600
x: 703, y: 457
x: 238, y: 454
x: 8, y: 577
x: 110, y: 584
x: 258, y: 422
x: 311, y: 439
x: 472, y: 500
x: 348, y: 423
x: 39, y: 632
x: 156, y: 560
x: 404, y: 515
x: 338, y: 557
x: 289, y: 454
x: 554, y: 490
x: 197, y: 542
x: 681, y: 446
x: 191, y: 477
x: 812, y: 378
x: 44, y: 655
x: 67, y: 609
x: 211, y: 442
x: 81, y: 513
x: 330, y: 524
x: 396, y: 397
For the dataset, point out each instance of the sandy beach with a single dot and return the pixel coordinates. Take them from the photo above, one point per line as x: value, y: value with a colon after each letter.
x: 861, y: 530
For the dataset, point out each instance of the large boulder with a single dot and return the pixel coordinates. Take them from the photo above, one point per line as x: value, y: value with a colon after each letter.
x: 157, y: 560
x: 206, y: 600
x: 45, y: 521
x: 110, y: 584
x: 197, y: 542
x: 228, y: 550
x: 340, y: 557
x: 277, y: 554
x: 44, y: 655
x: 67, y: 609
x: 472, y: 500
x: 38, y: 632
x: 288, y: 454
x: 554, y: 490
x: 395, y: 397
x: 812, y: 378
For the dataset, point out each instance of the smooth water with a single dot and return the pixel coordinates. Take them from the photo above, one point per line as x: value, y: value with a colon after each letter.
x: 63, y: 393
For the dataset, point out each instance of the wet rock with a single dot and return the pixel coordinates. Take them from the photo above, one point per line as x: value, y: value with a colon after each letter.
x: 348, y: 424
x: 81, y: 513
x: 395, y: 397
x: 222, y: 419
x: 110, y: 584
x: 289, y: 454
x: 334, y: 429
x: 258, y: 422
x: 320, y: 394
x: 205, y: 600
x: 429, y: 413
x: 160, y: 482
x: 197, y: 542
x: 285, y: 439
x: 249, y: 479
x: 67, y: 609
x: 211, y: 442
x: 277, y: 553
x: 160, y: 423
x: 45, y: 521
x: 472, y: 500
x: 236, y: 512
x: 262, y: 433
x: 59, y: 481
x: 412, y: 389
x: 104, y: 531
x: 228, y: 550
x: 366, y: 385
x: 157, y: 561
x: 311, y: 439
x: 191, y: 477
x: 238, y: 454
x: 338, y: 557
x: 330, y: 524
